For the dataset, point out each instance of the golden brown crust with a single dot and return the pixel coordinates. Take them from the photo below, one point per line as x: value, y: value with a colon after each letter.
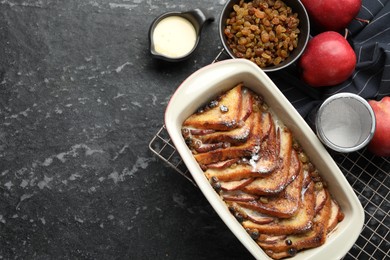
x: 283, y: 205
x: 291, y: 244
x: 235, y: 185
x: 243, y: 150
x: 335, y: 217
x: 225, y: 115
x: 265, y: 160
x: 236, y: 136
x: 277, y: 181
x: 298, y: 223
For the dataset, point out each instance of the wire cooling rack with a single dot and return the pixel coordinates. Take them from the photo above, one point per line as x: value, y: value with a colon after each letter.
x: 368, y: 175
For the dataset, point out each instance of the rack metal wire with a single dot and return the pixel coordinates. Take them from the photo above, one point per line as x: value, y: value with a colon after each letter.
x: 368, y: 175
x: 161, y: 145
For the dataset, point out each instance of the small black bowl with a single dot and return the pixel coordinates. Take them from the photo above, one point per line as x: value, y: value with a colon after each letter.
x: 196, y: 17
x: 303, y: 38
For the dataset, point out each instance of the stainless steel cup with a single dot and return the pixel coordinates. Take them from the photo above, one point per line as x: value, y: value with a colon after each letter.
x: 345, y: 122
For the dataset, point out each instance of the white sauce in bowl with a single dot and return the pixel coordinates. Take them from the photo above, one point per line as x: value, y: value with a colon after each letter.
x: 174, y: 37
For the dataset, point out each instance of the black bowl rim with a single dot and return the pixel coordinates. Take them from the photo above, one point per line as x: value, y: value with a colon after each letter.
x: 304, y: 27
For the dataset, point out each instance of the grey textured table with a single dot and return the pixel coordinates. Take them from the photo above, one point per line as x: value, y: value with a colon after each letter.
x: 80, y: 100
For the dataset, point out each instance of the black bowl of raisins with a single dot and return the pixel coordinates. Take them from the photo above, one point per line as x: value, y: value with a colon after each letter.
x: 271, y: 33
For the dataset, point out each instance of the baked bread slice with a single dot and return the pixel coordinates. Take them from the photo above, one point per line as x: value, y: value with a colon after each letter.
x: 246, y: 149
x: 335, y: 217
x: 266, y: 159
x: 220, y: 114
x: 247, y: 102
x: 287, y: 164
x: 288, y: 246
x: 235, y: 185
x: 249, y: 214
x: 321, y: 197
x: 264, y: 141
x: 235, y: 136
x: 300, y: 222
x: 234, y: 172
x: 283, y: 205
x: 271, y: 184
x: 237, y: 195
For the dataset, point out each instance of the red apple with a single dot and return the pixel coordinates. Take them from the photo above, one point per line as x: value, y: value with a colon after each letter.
x: 331, y: 15
x: 327, y: 60
x: 380, y: 143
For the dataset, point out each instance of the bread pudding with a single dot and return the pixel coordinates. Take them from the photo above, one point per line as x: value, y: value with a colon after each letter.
x: 261, y: 172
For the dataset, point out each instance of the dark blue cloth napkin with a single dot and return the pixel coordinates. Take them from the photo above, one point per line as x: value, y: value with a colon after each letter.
x: 371, y: 78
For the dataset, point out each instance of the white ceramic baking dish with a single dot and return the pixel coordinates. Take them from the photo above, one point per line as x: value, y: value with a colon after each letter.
x: 208, y: 82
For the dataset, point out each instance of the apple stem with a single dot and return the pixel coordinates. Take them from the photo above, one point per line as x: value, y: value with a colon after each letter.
x: 362, y: 20
x: 346, y: 33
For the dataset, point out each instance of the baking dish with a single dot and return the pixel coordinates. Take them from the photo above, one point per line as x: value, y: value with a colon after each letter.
x: 208, y: 82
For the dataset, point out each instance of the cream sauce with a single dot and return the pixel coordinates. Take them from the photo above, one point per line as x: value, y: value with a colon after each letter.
x: 174, y: 37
